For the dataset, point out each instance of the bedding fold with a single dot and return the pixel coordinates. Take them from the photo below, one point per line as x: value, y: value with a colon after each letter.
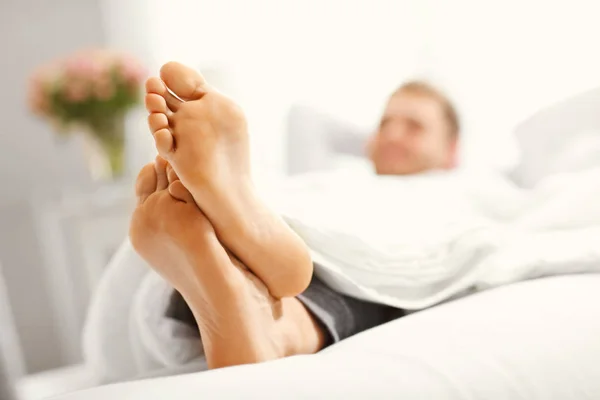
x: 418, y: 241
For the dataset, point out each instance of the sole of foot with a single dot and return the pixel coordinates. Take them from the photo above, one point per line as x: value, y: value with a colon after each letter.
x: 203, y: 135
x: 239, y: 320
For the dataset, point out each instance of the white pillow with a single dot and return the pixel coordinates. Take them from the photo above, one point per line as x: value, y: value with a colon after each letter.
x: 319, y: 141
x: 582, y: 153
x: 347, y: 162
x: 564, y: 137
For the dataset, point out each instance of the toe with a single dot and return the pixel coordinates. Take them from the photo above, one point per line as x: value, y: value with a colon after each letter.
x: 164, y: 142
x: 156, y: 104
x: 157, y: 86
x: 146, y: 182
x: 185, y: 82
x: 160, y: 166
x: 158, y: 121
x: 171, y: 174
x: 178, y: 191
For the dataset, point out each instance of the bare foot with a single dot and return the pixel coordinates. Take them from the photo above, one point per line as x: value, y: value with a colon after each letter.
x: 240, y: 322
x: 205, y: 139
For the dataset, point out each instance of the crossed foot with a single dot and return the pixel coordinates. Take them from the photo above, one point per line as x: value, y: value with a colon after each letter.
x: 200, y: 224
x: 239, y: 320
x: 203, y: 136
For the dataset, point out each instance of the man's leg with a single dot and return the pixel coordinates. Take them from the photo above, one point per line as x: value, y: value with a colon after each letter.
x: 239, y: 320
x: 342, y: 316
x: 205, y: 139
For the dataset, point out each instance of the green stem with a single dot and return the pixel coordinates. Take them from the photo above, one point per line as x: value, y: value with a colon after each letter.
x: 111, y: 136
x: 115, y: 150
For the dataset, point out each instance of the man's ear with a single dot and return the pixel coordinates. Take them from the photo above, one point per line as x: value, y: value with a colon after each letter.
x: 370, y: 146
x: 452, y: 161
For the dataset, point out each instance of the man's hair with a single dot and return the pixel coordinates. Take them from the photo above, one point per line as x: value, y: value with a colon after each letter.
x: 426, y: 89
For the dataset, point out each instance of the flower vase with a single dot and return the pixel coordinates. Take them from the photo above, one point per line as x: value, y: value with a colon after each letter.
x: 105, y: 149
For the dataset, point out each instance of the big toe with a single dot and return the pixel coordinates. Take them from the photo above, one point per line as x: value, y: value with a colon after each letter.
x: 184, y: 81
x: 178, y: 191
x: 146, y: 182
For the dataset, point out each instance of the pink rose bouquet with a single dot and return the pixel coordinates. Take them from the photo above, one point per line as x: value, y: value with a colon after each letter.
x: 91, y: 89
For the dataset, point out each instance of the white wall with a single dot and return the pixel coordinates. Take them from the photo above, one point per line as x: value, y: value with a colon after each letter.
x: 499, y: 60
x: 504, y: 60
x: 34, y: 167
x: 341, y: 55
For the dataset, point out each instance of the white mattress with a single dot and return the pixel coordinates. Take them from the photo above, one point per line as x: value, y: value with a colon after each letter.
x: 532, y: 340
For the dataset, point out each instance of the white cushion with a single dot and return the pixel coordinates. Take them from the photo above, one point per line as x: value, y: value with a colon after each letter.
x: 532, y: 340
x: 563, y: 137
x: 315, y: 140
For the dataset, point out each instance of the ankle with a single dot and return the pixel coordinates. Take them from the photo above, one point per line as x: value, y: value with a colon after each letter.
x: 301, y: 333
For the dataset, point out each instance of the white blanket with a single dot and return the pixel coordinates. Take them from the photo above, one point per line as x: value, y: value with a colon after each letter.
x: 128, y: 333
x: 415, y: 242
x: 535, y: 340
x: 407, y: 242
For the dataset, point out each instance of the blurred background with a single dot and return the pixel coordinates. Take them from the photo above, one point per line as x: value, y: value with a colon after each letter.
x: 61, y: 220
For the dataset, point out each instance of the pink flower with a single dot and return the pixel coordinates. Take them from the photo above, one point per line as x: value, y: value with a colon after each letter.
x: 37, y: 93
x: 88, y: 65
x: 38, y: 102
x: 132, y: 72
x: 76, y: 91
x: 104, y: 90
x: 78, y: 67
x: 89, y: 74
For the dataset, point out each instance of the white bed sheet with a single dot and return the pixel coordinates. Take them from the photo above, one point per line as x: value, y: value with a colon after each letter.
x: 532, y: 340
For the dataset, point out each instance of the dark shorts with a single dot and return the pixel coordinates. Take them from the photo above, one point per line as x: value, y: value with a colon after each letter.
x: 339, y: 315
x: 342, y: 316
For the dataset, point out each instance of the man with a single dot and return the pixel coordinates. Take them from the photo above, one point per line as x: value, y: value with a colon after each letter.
x: 243, y: 275
x: 418, y: 132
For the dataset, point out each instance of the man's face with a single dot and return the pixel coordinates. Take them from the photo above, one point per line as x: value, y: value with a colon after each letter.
x: 413, y: 136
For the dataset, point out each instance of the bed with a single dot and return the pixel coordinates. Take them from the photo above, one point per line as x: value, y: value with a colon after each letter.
x: 531, y: 340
